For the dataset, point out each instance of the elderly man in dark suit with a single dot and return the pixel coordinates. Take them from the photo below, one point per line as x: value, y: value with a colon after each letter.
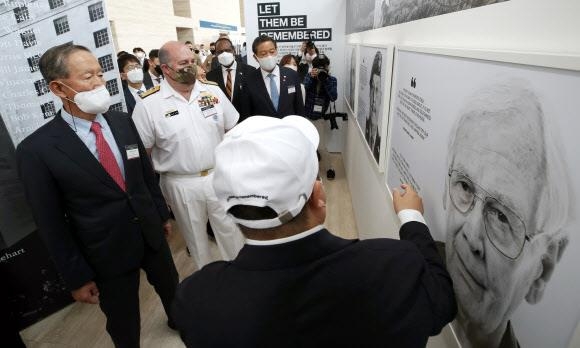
x: 273, y: 90
x: 93, y: 195
x: 231, y: 76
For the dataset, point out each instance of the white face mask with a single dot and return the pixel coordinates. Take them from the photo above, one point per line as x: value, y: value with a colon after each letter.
x: 93, y: 102
x: 226, y: 58
x: 135, y: 76
x: 268, y: 63
x: 310, y: 57
x: 290, y: 66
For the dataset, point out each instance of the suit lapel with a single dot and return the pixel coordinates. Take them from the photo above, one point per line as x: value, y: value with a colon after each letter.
x: 238, y: 82
x: 283, y: 89
x: 220, y: 79
x: 72, y: 146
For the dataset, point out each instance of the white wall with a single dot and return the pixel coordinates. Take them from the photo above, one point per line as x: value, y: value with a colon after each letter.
x: 550, y: 27
x: 149, y: 24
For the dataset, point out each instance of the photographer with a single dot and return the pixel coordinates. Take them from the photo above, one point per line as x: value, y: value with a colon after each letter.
x: 308, y: 52
x: 320, y: 88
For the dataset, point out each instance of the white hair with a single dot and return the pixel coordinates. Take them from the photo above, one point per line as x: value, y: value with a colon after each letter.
x: 515, y: 95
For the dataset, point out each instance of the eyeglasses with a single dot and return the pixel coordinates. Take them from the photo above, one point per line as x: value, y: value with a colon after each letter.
x: 504, y: 228
x: 133, y: 67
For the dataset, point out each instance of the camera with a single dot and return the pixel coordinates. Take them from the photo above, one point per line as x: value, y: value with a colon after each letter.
x: 321, y: 63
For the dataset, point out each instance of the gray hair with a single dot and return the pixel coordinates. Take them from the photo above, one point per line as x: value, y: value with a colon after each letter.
x: 53, y: 63
x: 515, y: 96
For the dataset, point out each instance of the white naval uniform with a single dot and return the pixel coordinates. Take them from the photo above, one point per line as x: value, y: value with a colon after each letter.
x: 183, y: 135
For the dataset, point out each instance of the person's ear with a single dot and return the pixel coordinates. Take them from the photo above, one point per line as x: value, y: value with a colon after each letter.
x: 545, y: 269
x: 58, y: 89
x: 256, y: 58
x: 123, y: 76
x: 317, y: 200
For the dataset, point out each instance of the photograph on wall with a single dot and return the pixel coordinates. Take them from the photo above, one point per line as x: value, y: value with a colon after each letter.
x: 491, y: 148
x: 365, y: 15
x: 350, y: 80
x: 374, y: 78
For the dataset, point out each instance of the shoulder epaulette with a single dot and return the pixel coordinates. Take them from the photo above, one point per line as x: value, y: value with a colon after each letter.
x: 207, y: 82
x: 150, y: 91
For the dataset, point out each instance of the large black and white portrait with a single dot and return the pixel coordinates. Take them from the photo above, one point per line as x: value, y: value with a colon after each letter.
x: 371, y: 14
x: 350, y: 81
x: 490, y: 147
x: 372, y: 85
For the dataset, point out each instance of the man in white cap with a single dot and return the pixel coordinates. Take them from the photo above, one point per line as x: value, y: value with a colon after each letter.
x: 294, y: 284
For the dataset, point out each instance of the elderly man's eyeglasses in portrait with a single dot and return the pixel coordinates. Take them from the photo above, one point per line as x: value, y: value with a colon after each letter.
x: 504, y: 228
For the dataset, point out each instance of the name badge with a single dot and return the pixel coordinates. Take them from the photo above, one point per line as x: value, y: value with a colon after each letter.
x: 291, y: 89
x: 318, y: 104
x: 208, y: 111
x: 132, y: 151
x: 171, y: 113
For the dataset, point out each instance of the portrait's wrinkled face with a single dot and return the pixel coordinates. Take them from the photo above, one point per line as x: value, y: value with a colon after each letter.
x: 375, y: 97
x: 495, y: 179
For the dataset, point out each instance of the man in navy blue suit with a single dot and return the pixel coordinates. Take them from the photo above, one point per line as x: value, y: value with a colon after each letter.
x: 273, y: 90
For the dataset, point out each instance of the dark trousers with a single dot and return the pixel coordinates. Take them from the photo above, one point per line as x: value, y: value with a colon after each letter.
x: 119, y: 296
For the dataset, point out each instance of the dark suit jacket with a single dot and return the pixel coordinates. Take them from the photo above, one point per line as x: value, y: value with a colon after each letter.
x: 320, y: 291
x: 91, y: 227
x: 258, y: 101
x: 129, y: 99
x: 147, y: 81
x: 239, y: 87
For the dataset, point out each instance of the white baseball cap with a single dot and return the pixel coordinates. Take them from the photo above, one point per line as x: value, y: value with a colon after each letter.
x: 267, y: 162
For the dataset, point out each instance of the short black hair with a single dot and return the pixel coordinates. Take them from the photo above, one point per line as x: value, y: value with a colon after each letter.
x: 320, y: 61
x: 138, y: 49
x: 126, y: 58
x: 154, y: 53
x: 223, y: 39
x: 250, y: 212
x: 261, y: 39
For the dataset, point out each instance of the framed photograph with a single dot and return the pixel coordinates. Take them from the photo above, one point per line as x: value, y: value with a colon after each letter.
x: 489, y: 140
x: 351, y: 77
x: 375, y: 67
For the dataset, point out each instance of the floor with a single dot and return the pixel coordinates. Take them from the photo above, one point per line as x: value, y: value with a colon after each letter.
x: 83, y: 325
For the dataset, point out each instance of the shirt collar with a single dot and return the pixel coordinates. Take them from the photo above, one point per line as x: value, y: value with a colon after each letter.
x: 234, y: 66
x: 276, y: 72
x: 285, y: 239
x: 167, y: 91
x: 135, y: 90
x: 81, y: 126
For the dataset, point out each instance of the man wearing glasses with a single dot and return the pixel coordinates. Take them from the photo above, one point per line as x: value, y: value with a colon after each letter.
x: 506, y: 211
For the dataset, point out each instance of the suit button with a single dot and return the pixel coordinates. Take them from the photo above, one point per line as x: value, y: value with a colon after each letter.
x: 135, y: 219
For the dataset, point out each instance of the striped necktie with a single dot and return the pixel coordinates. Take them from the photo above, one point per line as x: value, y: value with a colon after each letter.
x: 229, y: 83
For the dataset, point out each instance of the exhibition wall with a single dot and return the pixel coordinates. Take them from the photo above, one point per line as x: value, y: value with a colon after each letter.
x: 544, y: 32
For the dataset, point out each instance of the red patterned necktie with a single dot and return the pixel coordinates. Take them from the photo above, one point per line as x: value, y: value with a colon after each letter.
x: 106, y: 156
x: 229, y: 83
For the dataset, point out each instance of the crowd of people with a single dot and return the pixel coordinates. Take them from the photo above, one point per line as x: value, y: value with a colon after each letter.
x: 103, y: 186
